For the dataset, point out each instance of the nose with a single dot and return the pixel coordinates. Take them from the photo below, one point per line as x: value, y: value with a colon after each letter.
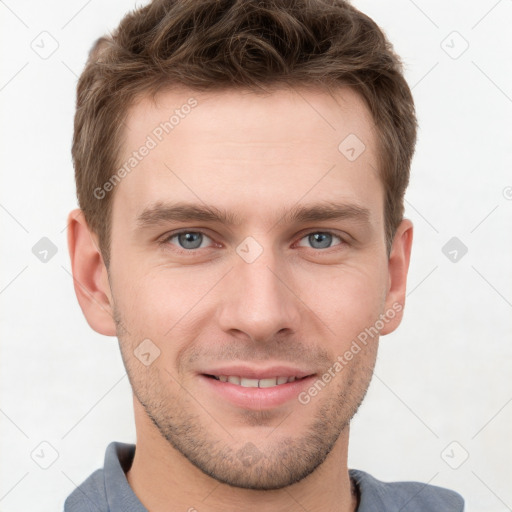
x: 258, y: 301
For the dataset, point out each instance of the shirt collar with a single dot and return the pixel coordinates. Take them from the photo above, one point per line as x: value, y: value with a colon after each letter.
x: 120, y: 496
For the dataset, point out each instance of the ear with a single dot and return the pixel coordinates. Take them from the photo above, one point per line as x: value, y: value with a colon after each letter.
x: 398, y: 265
x: 90, y: 276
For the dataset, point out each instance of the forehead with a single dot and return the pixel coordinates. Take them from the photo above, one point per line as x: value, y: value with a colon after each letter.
x: 255, y: 154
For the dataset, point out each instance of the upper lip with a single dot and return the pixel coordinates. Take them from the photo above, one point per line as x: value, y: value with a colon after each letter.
x: 258, y: 373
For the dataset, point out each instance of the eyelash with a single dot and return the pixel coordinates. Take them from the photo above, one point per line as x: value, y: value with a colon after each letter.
x: 165, y: 241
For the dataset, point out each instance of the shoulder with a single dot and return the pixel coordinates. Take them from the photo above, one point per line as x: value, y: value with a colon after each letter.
x: 88, y: 496
x: 376, y: 495
x: 107, y: 488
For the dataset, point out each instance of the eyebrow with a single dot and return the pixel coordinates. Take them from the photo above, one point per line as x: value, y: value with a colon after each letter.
x: 161, y: 213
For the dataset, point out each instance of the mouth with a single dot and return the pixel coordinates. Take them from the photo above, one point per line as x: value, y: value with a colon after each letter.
x: 255, y: 389
x: 246, y: 382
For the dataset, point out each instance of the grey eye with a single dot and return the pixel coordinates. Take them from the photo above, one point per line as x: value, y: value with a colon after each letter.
x: 189, y: 239
x: 320, y: 240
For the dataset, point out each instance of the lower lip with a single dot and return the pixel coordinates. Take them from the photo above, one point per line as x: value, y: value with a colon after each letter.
x: 258, y: 398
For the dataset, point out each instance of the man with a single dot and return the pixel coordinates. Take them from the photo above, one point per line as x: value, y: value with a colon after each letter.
x: 240, y: 168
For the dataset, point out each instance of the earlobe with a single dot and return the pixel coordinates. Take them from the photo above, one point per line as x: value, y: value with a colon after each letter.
x: 398, y: 266
x: 90, y: 278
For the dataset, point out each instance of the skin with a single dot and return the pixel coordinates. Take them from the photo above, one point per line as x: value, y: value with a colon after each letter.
x: 296, y: 304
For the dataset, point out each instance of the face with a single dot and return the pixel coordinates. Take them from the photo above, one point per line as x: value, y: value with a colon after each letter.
x: 248, y: 254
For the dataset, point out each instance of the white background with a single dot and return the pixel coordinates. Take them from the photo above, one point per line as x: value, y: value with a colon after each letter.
x: 443, y: 377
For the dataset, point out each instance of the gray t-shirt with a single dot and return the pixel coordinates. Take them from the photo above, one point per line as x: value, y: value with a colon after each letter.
x: 107, y: 490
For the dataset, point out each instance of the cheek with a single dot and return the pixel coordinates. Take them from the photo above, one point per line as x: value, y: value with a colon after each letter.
x: 348, y: 300
x: 163, y: 301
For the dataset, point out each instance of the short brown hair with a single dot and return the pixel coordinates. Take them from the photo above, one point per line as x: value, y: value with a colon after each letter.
x: 222, y: 44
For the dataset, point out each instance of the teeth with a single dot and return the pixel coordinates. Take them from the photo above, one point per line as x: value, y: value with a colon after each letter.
x: 248, y: 383
x: 255, y: 383
x: 268, y: 383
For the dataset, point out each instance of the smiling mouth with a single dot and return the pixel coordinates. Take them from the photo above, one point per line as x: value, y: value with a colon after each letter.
x: 255, y: 383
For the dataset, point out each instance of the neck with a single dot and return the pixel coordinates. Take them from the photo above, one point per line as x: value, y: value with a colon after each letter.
x: 168, y: 482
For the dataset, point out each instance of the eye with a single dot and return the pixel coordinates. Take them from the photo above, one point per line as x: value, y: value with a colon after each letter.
x: 188, y: 240
x: 320, y: 239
